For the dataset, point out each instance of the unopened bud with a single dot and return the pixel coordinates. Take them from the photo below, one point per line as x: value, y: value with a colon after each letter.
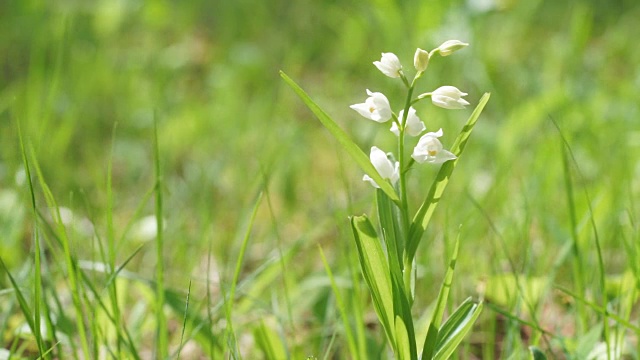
x: 449, y: 46
x: 421, y: 59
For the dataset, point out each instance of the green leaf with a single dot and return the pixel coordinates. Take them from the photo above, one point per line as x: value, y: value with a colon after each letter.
x: 352, y: 149
x: 391, y: 224
x: 423, y: 216
x: 402, y: 310
x: 269, y: 342
x: 536, y: 353
x: 456, y: 327
x: 441, y: 304
x: 402, y: 338
x: 375, y: 271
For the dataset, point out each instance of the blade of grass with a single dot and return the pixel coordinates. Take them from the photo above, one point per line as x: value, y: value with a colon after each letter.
x: 596, y: 239
x: 162, y: 342
x: 344, y: 314
x: 184, y: 321
x: 269, y: 342
x: 22, y: 301
x: 127, y: 339
x: 577, y: 265
x: 350, y: 147
x: 599, y: 309
x: 423, y: 216
x: 69, y: 258
x: 236, y: 275
x: 111, y: 239
x: 37, y: 290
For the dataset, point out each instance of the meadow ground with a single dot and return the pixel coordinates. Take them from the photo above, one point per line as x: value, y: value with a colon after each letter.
x: 249, y: 186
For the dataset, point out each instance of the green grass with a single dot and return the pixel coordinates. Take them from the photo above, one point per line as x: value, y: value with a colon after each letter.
x: 131, y: 110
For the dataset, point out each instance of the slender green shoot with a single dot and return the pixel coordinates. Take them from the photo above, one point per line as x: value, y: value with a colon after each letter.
x: 596, y: 239
x: 111, y: 239
x: 184, y: 321
x: 162, y: 342
x: 37, y: 291
x: 236, y: 275
x: 354, y: 350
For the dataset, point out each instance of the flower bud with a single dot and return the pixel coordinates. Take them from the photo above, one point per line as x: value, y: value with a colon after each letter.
x: 421, y: 59
x: 449, y: 46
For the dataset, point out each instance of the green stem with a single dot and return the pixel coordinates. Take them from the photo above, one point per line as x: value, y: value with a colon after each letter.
x: 403, y: 191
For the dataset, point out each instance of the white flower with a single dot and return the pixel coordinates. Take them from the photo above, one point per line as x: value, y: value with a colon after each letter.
x: 429, y: 149
x: 389, y: 64
x: 375, y: 108
x: 146, y: 229
x: 448, y: 97
x: 421, y: 59
x: 414, y: 125
x: 449, y: 46
x: 387, y: 169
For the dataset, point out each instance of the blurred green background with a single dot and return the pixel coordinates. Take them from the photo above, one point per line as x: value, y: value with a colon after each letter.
x: 83, y: 78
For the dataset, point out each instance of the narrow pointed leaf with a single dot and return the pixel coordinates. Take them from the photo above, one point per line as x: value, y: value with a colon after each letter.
x: 389, y: 216
x: 432, y: 333
x: 402, y: 339
x: 536, y: 353
x: 423, y: 216
x: 456, y: 328
x: 402, y: 310
x: 446, y: 285
x: 375, y: 271
x: 352, y: 149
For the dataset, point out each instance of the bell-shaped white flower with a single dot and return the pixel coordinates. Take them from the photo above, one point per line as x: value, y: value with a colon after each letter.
x: 449, y: 46
x: 375, y: 108
x: 385, y: 167
x: 421, y: 59
x: 414, y: 126
x: 389, y: 64
x: 448, y: 97
x: 429, y: 149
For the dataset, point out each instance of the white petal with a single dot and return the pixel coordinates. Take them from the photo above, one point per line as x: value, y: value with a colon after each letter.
x: 430, y: 135
x: 363, y: 109
x: 414, y: 126
x: 382, y: 164
x: 394, y: 129
x: 419, y: 157
x: 368, y: 179
x: 396, y: 173
x: 443, y: 156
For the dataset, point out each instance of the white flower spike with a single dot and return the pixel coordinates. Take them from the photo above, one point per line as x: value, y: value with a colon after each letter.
x: 429, y: 150
x: 414, y: 125
x: 448, y: 97
x: 449, y: 46
x: 375, y: 108
x: 389, y: 65
x: 387, y: 169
